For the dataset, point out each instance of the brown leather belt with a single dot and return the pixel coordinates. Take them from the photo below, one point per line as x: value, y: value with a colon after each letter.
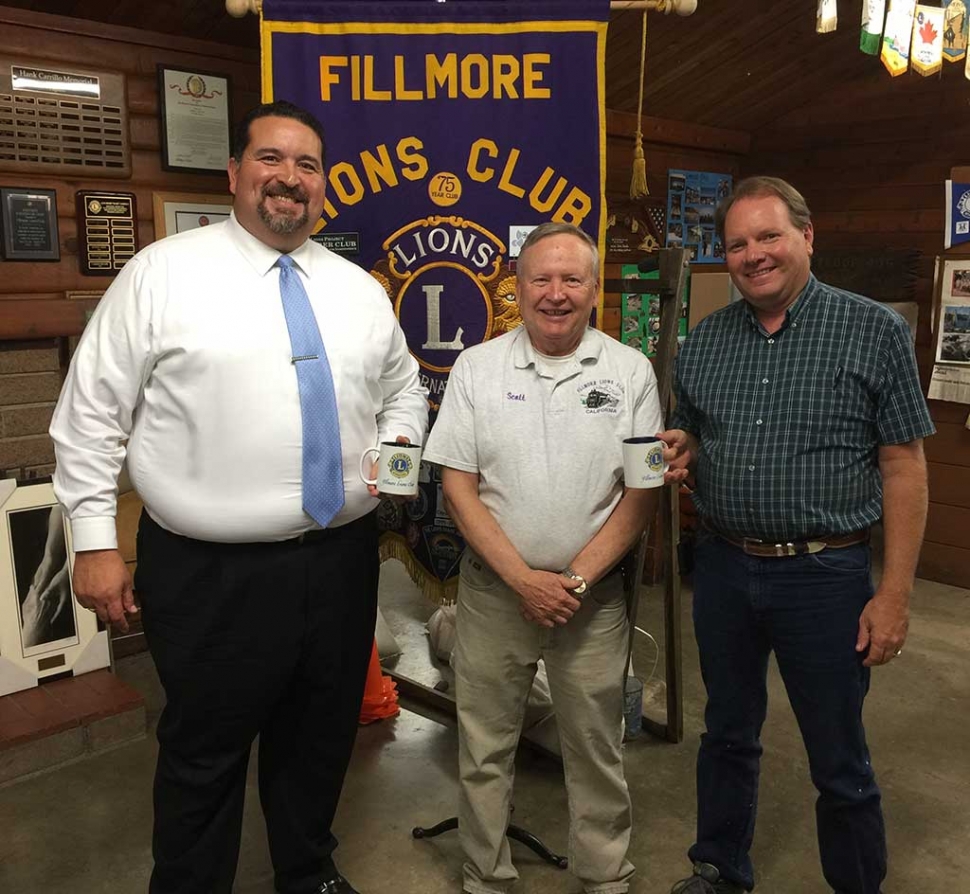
x: 767, y: 549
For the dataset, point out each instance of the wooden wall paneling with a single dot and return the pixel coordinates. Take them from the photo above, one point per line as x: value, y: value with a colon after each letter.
x: 855, y: 170
x: 950, y: 445
x: 947, y: 564
x: 873, y: 223
x: 950, y: 486
x: 862, y: 130
x: 33, y: 318
x: 946, y: 411
x: 17, y: 22
x: 948, y: 525
x: 678, y: 133
x: 891, y: 197
x: 837, y: 157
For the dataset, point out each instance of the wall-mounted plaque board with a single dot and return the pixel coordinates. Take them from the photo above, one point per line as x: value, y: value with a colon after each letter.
x: 62, y: 121
x: 28, y: 224
x: 106, y: 231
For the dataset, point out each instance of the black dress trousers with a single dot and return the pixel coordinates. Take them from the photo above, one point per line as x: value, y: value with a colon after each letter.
x: 255, y: 639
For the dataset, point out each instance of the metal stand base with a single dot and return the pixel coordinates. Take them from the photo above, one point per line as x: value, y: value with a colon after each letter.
x: 516, y: 833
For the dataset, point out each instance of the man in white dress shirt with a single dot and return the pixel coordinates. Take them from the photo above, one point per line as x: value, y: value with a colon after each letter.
x: 259, y: 619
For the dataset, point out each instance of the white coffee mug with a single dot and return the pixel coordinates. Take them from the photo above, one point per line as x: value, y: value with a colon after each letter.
x: 643, y: 462
x: 397, y: 467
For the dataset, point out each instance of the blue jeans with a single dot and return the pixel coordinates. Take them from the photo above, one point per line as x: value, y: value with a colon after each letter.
x: 806, y: 609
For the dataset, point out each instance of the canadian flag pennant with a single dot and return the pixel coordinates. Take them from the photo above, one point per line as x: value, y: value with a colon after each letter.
x: 927, y: 51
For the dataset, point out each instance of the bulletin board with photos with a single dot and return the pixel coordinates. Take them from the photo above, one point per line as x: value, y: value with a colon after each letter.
x: 692, y: 197
x: 640, y: 314
x: 950, y: 379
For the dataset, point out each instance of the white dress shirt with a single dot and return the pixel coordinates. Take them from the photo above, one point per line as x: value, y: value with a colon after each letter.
x: 188, y: 357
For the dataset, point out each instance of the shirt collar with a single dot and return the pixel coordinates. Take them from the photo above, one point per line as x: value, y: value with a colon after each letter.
x: 524, y: 355
x: 794, y: 310
x: 264, y: 257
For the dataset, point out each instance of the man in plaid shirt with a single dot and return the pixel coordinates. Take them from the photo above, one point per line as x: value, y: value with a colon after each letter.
x: 800, y: 416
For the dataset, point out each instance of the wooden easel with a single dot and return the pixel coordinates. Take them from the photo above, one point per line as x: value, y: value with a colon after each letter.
x: 669, y: 288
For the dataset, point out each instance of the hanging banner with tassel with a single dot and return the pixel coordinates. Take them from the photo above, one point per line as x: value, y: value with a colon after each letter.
x: 955, y: 31
x: 927, y: 48
x: 898, y: 36
x: 827, y: 16
x: 445, y: 146
x: 873, y: 19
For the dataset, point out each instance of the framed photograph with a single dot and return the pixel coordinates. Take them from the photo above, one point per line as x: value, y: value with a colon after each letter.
x: 176, y: 212
x: 43, y: 631
x: 29, y: 224
x: 196, y: 116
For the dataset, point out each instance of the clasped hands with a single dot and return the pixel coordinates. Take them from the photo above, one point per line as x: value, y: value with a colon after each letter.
x: 546, y: 598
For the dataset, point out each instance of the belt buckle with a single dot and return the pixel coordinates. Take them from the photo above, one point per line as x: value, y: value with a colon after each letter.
x: 754, y: 547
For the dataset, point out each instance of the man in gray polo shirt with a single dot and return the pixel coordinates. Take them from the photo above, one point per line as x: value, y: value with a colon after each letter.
x: 530, y: 434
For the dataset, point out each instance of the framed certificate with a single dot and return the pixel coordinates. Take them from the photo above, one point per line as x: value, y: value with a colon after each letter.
x: 29, y: 224
x: 196, y: 114
x: 176, y: 212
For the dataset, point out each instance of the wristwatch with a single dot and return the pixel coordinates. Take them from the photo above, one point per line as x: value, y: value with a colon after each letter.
x: 572, y: 575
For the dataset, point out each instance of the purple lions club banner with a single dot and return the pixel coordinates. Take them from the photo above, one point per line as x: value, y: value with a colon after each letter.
x: 452, y: 130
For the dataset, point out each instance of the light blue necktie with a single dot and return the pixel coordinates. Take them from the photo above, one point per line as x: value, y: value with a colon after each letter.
x: 323, y: 475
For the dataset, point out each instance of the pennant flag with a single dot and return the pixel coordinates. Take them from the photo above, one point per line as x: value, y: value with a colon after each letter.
x: 955, y: 23
x: 957, y: 213
x: 898, y: 36
x: 827, y: 16
x: 873, y: 18
x: 453, y: 129
x: 927, y: 48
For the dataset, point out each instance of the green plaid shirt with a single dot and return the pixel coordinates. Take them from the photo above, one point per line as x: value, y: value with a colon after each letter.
x: 790, y: 424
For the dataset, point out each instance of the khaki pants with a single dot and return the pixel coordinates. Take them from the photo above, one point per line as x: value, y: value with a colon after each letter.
x: 495, y: 662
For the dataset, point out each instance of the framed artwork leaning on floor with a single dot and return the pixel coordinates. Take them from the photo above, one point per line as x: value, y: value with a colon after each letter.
x: 43, y: 631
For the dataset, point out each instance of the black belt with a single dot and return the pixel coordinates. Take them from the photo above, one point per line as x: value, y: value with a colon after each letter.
x: 781, y: 549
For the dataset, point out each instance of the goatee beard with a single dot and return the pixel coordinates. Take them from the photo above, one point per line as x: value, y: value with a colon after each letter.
x: 283, y: 224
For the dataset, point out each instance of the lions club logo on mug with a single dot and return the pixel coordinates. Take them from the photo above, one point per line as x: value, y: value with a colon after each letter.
x: 400, y: 465
x: 655, y: 459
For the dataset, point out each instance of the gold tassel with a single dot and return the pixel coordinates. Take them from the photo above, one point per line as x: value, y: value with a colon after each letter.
x: 638, y: 183
x: 394, y: 546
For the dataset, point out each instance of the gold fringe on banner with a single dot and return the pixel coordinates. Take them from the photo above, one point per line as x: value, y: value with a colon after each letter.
x: 393, y: 546
x: 638, y: 183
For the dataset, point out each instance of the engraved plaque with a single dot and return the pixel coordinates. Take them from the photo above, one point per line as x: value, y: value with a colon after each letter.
x: 107, y: 231
x: 69, y: 123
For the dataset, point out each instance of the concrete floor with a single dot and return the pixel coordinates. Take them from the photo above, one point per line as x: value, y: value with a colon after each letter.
x: 86, y: 828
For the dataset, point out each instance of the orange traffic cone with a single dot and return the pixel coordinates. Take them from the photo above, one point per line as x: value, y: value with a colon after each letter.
x: 380, y: 693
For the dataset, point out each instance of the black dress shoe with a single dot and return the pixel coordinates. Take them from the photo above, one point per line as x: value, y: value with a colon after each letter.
x: 337, y: 885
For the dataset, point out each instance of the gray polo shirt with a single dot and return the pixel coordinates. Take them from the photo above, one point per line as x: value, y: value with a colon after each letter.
x: 545, y: 437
